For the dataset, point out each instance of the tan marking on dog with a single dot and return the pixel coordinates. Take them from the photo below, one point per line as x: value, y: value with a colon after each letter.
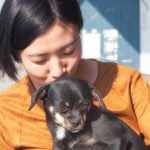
x: 51, y: 109
x: 94, y: 93
x: 86, y: 141
x: 84, y: 117
x: 59, y: 119
x: 67, y: 104
x: 90, y: 141
x: 72, y: 143
x: 42, y: 93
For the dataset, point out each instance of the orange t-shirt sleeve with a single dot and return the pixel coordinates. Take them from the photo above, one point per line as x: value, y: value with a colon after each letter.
x: 140, y: 94
x: 3, y: 141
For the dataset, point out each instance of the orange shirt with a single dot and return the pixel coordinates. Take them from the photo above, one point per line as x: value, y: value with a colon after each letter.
x: 124, y: 90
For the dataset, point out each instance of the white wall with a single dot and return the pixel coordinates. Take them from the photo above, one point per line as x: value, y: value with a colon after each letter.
x: 145, y: 36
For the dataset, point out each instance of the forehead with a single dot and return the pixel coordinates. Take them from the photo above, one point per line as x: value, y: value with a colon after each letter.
x: 69, y: 92
x: 55, y: 37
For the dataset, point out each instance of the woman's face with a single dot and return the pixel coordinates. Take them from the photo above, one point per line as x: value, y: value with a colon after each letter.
x: 52, y: 55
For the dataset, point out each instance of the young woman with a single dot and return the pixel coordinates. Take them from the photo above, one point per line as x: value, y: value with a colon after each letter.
x: 44, y: 36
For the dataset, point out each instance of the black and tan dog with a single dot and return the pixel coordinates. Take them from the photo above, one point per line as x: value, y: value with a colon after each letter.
x: 76, y: 124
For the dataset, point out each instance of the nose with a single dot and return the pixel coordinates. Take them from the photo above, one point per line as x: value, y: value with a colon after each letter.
x: 57, y: 68
x: 76, y: 123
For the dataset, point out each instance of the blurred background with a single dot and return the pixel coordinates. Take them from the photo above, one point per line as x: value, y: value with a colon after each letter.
x: 114, y: 30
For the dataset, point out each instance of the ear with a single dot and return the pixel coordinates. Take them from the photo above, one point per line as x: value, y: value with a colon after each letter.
x: 96, y: 94
x: 40, y: 93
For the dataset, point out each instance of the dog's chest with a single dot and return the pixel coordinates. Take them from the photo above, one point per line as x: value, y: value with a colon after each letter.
x: 84, y: 139
x: 60, y: 133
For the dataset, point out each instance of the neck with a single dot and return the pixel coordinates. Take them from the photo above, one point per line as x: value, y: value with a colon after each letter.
x: 88, y: 70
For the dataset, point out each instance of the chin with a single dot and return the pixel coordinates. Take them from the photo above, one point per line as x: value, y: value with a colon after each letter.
x: 76, y: 130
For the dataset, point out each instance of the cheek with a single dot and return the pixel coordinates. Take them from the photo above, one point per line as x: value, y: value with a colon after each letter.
x: 36, y: 73
x: 30, y: 67
x: 34, y: 70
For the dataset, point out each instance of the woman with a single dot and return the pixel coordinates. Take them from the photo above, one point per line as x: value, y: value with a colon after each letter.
x: 44, y: 36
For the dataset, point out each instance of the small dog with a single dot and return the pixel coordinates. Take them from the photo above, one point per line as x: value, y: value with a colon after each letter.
x: 76, y: 124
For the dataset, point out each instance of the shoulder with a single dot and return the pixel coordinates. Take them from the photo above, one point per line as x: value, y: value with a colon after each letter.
x: 16, y: 93
x: 18, y: 85
x: 126, y: 93
x: 118, y: 72
x: 118, y: 69
x: 117, y: 77
x: 14, y: 103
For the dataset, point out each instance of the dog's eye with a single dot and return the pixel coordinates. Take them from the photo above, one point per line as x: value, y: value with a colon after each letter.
x: 83, y: 107
x: 63, y: 109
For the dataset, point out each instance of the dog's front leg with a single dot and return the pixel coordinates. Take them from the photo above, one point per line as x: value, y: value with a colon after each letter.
x: 118, y: 144
x: 58, y: 133
x: 58, y: 145
x: 59, y: 136
x: 59, y: 140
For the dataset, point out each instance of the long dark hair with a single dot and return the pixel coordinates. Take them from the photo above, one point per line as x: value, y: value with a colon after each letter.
x: 21, y: 21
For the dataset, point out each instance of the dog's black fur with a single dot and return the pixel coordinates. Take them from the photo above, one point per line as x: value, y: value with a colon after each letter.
x: 76, y: 124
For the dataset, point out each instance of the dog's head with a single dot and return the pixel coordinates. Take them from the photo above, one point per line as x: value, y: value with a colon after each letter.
x: 67, y: 101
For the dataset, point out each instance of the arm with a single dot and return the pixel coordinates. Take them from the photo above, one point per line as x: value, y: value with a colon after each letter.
x: 140, y: 92
x: 3, y: 141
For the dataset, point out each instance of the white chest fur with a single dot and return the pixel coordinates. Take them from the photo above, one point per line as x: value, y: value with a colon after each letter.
x: 60, y: 133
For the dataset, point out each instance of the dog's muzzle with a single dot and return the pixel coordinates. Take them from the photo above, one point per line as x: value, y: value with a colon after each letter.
x: 74, y: 127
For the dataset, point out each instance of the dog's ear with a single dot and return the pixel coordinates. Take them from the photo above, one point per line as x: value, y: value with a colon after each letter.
x: 40, y: 93
x: 96, y: 94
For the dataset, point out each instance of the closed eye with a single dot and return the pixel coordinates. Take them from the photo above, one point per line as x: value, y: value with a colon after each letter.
x: 84, y: 107
x: 40, y: 61
x: 39, y: 58
x: 69, y: 51
x: 63, y: 109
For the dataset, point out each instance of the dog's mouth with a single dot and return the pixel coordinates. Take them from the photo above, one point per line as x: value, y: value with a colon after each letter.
x: 73, y: 129
x: 72, y: 125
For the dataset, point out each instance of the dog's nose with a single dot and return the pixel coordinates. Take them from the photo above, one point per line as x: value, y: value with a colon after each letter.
x: 76, y: 123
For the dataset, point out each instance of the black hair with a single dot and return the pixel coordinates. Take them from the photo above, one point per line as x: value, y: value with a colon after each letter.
x: 21, y: 21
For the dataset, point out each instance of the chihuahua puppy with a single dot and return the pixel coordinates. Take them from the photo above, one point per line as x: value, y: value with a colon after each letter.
x: 76, y: 124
